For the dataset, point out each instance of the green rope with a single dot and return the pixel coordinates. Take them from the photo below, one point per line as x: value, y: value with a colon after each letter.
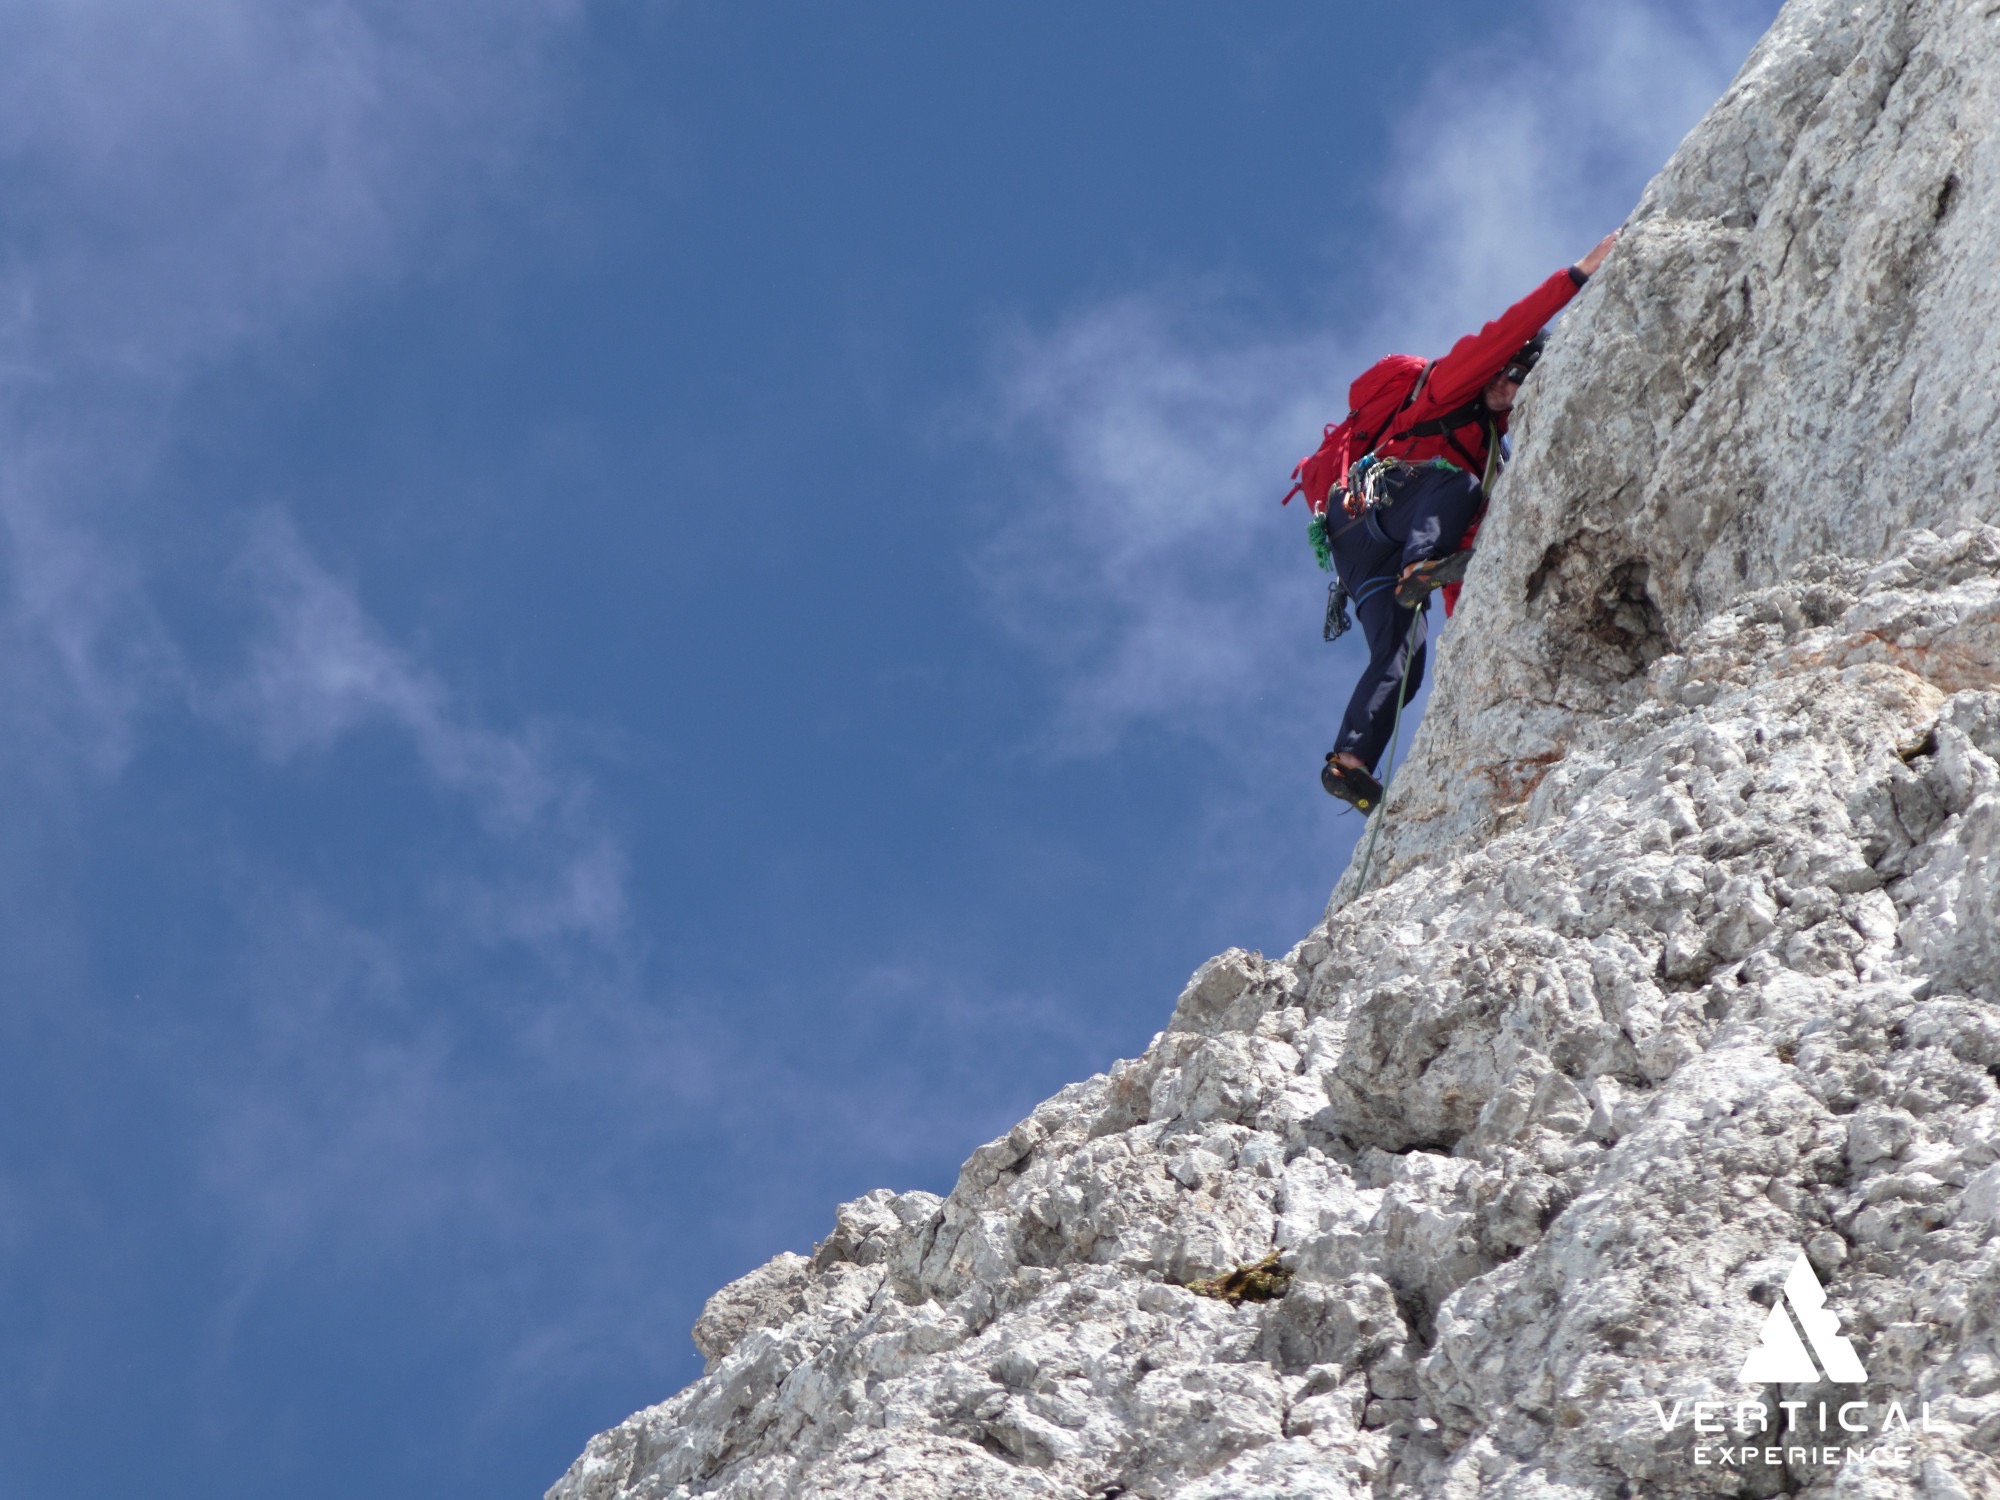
x: 1322, y: 547
x: 1395, y: 738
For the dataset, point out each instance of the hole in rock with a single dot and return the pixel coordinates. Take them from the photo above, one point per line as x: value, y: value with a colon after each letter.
x: 1947, y: 193
x: 1625, y: 619
x: 1552, y: 558
x: 1418, y: 1316
x: 1604, y: 621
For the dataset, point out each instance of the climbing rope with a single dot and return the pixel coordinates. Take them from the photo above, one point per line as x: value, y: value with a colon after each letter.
x: 1395, y: 738
x: 1322, y: 542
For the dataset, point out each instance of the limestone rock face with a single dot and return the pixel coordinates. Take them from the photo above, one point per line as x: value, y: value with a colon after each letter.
x: 1790, y: 355
x: 1680, y: 958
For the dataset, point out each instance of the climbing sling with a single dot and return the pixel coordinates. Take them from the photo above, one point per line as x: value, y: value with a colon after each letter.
x: 1337, y: 624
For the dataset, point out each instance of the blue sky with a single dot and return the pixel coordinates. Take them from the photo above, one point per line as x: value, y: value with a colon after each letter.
x: 623, y: 620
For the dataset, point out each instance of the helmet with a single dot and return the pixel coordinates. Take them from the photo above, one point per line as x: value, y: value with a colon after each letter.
x: 1525, y: 358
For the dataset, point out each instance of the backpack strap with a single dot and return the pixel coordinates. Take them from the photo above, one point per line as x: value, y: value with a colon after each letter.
x: 1448, y: 425
x: 1450, y: 422
x: 1471, y: 461
x: 1423, y: 379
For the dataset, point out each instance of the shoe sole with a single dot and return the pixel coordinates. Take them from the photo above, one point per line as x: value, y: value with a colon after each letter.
x: 1337, y: 788
x: 1413, y: 590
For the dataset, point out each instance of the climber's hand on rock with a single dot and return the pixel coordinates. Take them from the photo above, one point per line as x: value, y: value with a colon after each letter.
x: 1589, y: 264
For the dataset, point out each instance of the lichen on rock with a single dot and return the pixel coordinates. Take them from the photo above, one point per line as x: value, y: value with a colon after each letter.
x: 1260, y: 1281
x: 1681, y: 958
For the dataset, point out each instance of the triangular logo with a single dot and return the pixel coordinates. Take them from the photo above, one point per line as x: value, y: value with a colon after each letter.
x: 1780, y: 1356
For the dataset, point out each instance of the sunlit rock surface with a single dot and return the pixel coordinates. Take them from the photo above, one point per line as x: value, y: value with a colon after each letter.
x: 1681, y: 955
x: 1792, y: 354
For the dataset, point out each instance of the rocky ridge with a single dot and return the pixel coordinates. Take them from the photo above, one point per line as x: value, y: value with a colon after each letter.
x: 1702, y: 973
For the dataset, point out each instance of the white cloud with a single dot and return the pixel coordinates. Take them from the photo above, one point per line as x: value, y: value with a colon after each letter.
x: 82, y: 653
x: 1511, y: 164
x: 181, y: 180
x: 321, y: 670
x: 1153, y: 568
x: 184, y: 174
x: 1141, y: 571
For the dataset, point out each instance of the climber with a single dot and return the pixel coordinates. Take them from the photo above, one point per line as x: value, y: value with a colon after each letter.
x: 1411, y: 467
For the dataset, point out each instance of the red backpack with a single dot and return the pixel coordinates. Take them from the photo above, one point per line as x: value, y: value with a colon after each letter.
x: 1381, y: 391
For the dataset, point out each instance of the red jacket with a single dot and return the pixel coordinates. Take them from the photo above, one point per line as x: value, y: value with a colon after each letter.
x: 1458, y: 379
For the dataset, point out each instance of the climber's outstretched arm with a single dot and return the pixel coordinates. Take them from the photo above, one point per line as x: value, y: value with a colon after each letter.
x: 1589, y: 264
x: 1478, y: 357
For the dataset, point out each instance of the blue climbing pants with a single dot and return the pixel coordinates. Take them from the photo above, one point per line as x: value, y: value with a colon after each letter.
x: 1424, y: 515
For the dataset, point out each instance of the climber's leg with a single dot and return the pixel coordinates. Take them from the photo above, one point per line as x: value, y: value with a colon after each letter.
x: 1395, y: 655
x: 1430, y: 511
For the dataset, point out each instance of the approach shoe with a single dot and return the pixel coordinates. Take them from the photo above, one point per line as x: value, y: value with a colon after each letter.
x: 1348, y: 784
x: 1433, y: 573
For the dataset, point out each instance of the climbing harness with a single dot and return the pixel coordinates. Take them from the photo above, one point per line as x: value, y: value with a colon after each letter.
x: 1395, y: 739
x: 1370, y: 479
x: 1368, y: 488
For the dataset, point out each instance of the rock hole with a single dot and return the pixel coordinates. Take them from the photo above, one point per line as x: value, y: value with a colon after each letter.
x: 1947, y: 192
x: 1552, y: 558
x: 1551, y: 1211
x: 1627, y: 621
x: 998, y: 1449
x: 1418, y: 1316
x: 1605, y: 623
x: 1822, y: 605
